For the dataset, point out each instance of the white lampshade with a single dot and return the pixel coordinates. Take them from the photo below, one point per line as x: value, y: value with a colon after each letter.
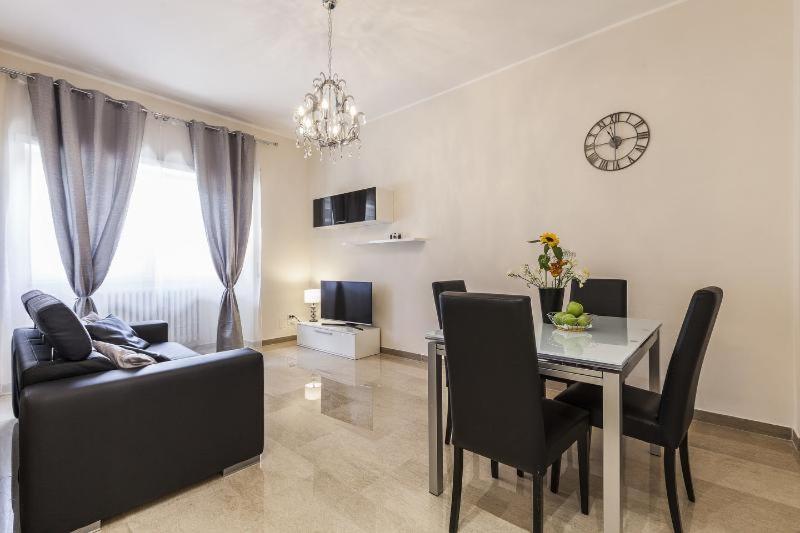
x: 311, y: 296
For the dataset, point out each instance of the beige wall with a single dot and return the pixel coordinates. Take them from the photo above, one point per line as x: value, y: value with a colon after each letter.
x: 285, y: 245
x: 796, y: 221
x: 484, y: 168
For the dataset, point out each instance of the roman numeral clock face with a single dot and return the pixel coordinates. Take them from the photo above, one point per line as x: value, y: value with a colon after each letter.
x: 616, y: 141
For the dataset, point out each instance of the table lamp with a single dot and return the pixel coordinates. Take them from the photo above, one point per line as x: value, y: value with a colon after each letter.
x: 312, y: 298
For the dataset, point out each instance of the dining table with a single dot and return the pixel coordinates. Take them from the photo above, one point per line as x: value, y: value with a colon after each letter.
x: 603, y: 355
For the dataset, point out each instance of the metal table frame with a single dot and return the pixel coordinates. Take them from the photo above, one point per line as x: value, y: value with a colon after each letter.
x: 611, y: 379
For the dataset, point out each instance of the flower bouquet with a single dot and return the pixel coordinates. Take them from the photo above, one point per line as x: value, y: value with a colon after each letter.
x: 554, y: 269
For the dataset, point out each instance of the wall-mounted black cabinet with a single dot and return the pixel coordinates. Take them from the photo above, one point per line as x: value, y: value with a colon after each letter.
x: 366, y: 206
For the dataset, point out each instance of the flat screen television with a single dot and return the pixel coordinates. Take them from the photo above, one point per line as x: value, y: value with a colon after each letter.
x: 346, y: 301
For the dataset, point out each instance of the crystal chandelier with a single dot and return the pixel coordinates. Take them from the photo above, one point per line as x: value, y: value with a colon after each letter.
x: 328, y: 119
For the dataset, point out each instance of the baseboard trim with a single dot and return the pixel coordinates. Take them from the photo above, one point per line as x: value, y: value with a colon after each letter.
x: 753, y: 426
x: 278, y: 340
x: 744, y: 424
x: 404, y: 354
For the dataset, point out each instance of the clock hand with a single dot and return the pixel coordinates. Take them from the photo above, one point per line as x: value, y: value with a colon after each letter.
x: 621, y: 140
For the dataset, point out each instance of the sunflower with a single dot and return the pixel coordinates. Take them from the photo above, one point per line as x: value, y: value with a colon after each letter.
x: 550, y: 239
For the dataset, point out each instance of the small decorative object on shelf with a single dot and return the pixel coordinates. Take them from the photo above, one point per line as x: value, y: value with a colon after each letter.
x: 312, y: 298
x: 560, y: 264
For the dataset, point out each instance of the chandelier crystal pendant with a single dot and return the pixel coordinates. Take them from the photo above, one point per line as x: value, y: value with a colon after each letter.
x: 328, y: 119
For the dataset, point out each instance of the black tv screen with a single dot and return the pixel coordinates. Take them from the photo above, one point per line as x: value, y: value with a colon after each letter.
x: 347, y: 301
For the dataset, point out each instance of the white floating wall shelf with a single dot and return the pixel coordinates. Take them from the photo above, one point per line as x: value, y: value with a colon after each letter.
x: 393, y: 241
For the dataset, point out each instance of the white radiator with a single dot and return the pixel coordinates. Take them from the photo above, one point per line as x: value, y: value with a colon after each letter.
x: 179, y: 307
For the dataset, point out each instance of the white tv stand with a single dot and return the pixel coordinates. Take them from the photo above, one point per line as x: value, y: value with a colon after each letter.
x: 339, y: 340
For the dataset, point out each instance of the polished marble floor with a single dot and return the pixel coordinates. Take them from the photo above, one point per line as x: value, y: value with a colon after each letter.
x: 346, y: 451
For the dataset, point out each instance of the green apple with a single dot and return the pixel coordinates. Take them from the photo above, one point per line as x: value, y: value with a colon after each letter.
x: 575, y: 309
x: 569, y: 320
x: 584, y: 320
x: 558, y: 318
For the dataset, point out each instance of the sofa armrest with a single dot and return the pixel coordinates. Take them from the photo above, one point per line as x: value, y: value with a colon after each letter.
x: 95, y: 446
x: 152, y: 330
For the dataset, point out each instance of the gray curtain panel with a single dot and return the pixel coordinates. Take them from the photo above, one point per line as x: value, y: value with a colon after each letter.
x: 225, y: 166
x: 90, y: 149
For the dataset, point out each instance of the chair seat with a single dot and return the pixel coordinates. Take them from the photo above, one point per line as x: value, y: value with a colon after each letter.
x: 639, y: 407
x: 563, y: 424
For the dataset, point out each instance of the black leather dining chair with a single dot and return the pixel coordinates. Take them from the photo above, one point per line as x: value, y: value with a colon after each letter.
x: 496, y: 402
x: 664, y: 419
x: 603, y: 297
x: 456, y: 285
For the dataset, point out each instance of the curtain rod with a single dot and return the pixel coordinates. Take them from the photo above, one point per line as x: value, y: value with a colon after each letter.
x: 156, y: 114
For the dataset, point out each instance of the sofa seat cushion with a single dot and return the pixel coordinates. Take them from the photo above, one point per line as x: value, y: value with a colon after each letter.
x: 170, y: 350
x: 36, y: 362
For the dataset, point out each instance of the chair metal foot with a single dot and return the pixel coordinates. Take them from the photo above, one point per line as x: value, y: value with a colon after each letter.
x: 239, y: 466
x: 91, y: 528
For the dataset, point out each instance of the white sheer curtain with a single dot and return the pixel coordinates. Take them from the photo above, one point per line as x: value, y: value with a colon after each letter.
x: 16, y: 163
x: 162, y: 267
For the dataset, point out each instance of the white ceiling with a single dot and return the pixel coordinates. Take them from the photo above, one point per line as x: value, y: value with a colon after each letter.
x: 255, y: 59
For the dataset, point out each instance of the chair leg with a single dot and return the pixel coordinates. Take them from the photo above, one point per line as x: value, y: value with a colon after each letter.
x: 555, y: 475
x: 495, y: 474
x: 520, y: 473
x: 538, y: 502
x: 583, y: 469
x: 455, y: 504
x: 672, y: 493
x: 589, y: 439
x: 448, y: 430
x: 687, y: 473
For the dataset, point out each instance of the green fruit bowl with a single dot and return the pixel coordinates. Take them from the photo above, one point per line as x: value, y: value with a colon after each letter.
x: 569, y: 327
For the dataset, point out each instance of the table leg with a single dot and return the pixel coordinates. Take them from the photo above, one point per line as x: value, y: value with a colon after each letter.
x: 654, y: 367
x: 612, y: 453
x: 435, y: 453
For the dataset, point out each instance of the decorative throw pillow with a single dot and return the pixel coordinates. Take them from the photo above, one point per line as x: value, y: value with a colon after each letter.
x: 122, y: 357
x: 61, y: 327
x: 114, y: 330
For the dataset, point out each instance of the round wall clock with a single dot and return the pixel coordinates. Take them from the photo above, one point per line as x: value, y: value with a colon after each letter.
x: 616, y: 141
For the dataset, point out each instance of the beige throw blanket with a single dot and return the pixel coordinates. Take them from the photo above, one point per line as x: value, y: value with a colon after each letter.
x: 122, y: 357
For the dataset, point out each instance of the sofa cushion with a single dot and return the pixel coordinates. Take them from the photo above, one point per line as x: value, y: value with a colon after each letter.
x: 35, y: 361
x: 61, y: 327
x: 27, y: 297
x: 114, y: 330
x: 169, y: 350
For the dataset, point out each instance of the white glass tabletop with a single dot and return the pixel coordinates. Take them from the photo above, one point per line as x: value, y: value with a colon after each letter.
x: 609, y: 344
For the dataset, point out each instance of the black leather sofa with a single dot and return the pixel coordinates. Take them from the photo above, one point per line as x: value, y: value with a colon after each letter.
x: 95, y: 441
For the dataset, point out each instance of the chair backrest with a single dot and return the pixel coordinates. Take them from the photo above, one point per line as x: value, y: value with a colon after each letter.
x: 495, y: 390
x: 604, y: 297
x: 456, y: 285
x: 683, y: 373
